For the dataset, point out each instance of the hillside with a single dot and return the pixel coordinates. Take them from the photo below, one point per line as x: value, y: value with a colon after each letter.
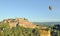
x: 18, y: 21
x: 22, y: 27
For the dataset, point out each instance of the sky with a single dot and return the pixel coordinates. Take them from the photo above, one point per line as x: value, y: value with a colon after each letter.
x: 33, y: 10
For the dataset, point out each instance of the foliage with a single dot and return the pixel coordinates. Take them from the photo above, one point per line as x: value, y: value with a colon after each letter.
x: 55, y: 30
x: 5, y: 30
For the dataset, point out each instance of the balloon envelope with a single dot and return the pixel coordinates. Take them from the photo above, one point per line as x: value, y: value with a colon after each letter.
x: 50, y: 7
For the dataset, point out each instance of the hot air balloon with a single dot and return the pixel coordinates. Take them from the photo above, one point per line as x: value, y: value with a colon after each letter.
x: 50, y: 7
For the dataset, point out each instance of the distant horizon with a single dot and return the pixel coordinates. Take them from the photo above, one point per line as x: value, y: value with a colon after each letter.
x: 32, y: 20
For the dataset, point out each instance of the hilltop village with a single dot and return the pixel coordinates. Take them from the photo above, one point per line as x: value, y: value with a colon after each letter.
x: 43, y: 30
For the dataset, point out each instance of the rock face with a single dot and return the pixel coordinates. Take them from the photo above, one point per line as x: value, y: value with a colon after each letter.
x: 19, y: 21
x: 45, y: 33
x: 25, y: 23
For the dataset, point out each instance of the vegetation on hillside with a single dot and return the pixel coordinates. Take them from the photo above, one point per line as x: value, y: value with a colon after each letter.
x: 17, y: 31
x: 5, y: 30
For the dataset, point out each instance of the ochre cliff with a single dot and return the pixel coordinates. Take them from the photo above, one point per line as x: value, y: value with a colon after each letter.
x: 25, y: 23
x: 20, y: 21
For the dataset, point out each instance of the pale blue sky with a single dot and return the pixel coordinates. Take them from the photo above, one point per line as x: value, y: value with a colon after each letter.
x: 33, y: 10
